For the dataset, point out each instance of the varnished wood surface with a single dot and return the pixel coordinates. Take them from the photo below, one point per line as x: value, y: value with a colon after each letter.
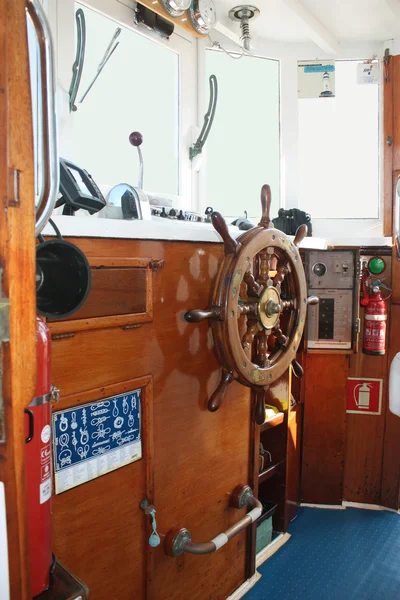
x: 17, y: 257
x: 199, y: 457
x: 324, y: 428
x: 126, y: 488
x: 365, y: 433
x: 121, y: 294
x: 293, y: 463
x: 182, y: 21
x: 388, y: 130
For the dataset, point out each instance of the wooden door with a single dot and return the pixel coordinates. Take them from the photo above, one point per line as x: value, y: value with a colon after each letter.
x: 17, y: 262
x: 324, y: 428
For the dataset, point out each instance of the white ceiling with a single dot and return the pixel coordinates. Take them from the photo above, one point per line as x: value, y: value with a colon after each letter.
x: 336, y: 20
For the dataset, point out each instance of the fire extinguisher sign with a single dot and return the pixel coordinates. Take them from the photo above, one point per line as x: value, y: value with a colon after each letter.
x: 364, y: 396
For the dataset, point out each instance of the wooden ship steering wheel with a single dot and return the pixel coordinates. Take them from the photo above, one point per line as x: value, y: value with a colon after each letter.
x: 258, y: 307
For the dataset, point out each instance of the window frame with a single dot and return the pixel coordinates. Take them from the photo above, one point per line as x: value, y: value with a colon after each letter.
x: 62, y: 18
x: 360, y: 227
x: 203, y: 91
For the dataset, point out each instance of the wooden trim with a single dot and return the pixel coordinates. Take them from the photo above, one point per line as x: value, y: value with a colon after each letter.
x: 388, y: 151
x: 58, y: 327
x: 118, y: 262
x: 17, y: 255
x: 182, y: 21
x: 90, y: 323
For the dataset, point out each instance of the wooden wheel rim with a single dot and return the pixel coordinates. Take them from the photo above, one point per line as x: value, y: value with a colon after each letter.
x: 227, y: 340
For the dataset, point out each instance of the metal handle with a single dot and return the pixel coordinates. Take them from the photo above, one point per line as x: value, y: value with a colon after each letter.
x: 50, y: 162
x: 31, y: 425
x: 178, y: 539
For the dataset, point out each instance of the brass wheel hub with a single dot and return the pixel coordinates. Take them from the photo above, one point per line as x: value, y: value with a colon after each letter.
x: 269, y: 307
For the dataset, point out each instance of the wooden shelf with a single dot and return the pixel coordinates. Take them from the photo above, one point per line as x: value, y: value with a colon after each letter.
x: 270, y: 471
x: 277, y: 419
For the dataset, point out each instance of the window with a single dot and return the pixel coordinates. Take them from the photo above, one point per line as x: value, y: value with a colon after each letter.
x: 130, y: 94
x: 243, y: 148
x: 339, y: 150
x: 147, y: 85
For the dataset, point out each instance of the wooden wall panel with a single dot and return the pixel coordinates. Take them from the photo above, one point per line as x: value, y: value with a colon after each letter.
x: 365, y: 433
x: 388, y: 124
x: 391, y: 457
x: 199, y: 457
x: 17, y: 259
x: 324, y: 428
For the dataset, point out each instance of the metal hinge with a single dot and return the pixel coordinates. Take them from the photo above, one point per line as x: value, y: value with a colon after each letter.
x: 154, y: 265
x: 62, y: 336
x: 4, y: 337
x: 386, y: 61
x: 358, y: 325
x: 14, y: 187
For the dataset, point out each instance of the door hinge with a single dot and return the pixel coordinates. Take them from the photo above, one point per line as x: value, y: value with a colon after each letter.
x: 154, y: 265
x: 358, y: 325
x: 4, y: 337
x: 386, y: 61
x: 14, y: 187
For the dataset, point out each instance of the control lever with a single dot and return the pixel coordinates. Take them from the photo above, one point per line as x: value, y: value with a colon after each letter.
x: 136, y: 139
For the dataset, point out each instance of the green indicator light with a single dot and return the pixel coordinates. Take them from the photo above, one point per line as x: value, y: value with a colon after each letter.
x: 376, y: 265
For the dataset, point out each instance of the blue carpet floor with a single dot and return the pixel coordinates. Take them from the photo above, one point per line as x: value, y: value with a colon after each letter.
x: 347, y: 554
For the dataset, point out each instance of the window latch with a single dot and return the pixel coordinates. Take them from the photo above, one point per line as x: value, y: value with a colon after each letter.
x: 208, y: 119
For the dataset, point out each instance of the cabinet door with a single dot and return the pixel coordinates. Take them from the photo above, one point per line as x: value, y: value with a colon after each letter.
x: 324, y: 428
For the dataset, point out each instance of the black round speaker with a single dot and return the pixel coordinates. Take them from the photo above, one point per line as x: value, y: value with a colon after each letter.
x: 63, y: 278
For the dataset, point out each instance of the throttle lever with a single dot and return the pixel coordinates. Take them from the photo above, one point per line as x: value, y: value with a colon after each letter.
x: 136, y: 139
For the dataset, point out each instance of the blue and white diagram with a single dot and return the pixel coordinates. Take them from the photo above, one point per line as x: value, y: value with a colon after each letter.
x: 93, y: 439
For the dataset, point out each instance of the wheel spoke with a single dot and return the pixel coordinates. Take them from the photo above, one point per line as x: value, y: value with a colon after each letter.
x: 282, y: 271
x: 290, y: 304
x: 262, y: 347
x: 248, y: 338
x: 264, y: 266
x: 247, y: 308
x: 281, y: 339
x: 253, y: 288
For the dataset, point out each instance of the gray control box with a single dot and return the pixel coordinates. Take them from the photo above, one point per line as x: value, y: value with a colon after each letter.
x: 333, y: 276
x: 331, y: 269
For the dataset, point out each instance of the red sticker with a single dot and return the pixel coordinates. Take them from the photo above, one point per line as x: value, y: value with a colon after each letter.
x: 364, y: 396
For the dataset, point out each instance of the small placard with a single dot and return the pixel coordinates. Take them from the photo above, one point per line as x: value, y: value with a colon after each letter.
x: 316, y: 79
x: 368, y: 72
x: 93, y: 439
x: 364, y: 396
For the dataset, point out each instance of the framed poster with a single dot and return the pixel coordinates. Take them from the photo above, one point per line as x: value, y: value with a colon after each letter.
x: 316, y: 79
x: 92, y: 439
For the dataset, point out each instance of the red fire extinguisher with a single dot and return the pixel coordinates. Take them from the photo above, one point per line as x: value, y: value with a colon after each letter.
x: 375, y: 318
x: 38, y: 465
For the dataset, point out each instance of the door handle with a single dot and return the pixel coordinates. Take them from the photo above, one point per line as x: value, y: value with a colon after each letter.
x: 50, y: 163
x: 178, y: 540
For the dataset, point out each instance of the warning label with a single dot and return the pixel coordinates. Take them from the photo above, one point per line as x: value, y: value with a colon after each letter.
x: 45, y: 474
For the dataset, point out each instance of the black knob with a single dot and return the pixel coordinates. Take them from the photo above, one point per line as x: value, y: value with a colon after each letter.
x: 172, y: 213
x: 180, y: 216
x: 163, y: 213
x: 136, y: 138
